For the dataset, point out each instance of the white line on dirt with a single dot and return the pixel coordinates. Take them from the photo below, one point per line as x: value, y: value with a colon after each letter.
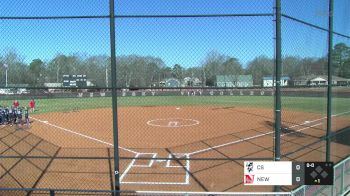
x: 128, y: 168
x: 187, y: 154
x: 260, y: 135
x: 307, y: 122
x: 82, y: 135
x: 246, y: 139
x: 209, y: 193
x: 187, y: 178
x: 229, y: 143
x: 132, y: 164
x: 299, y: 130
x: 157, y: 183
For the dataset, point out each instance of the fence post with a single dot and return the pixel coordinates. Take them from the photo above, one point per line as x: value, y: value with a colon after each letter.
x: 330, y: 72
x: 52, y: 193
x: 114, y: 98
x: 278, y: 65
x: 342, y: 178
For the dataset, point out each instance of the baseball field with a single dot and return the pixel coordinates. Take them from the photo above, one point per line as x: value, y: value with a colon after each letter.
x: 69, y: 144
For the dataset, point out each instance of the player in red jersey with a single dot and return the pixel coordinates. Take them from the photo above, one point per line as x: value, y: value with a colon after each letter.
x: 15, y: 104
x: 32, y: 105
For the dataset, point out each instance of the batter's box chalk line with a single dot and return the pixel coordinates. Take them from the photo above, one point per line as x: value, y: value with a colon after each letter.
x: 176, y: 155
x: 187, y: 165
x: 168, y: 166
x: 151, y: 161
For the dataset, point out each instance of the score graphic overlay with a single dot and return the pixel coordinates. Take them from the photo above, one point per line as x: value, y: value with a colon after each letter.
x: 287, y: 173
x: 267, y: 173
x: 319, y: 173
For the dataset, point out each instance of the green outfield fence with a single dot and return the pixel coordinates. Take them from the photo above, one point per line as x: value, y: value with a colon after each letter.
x: 152, y: 97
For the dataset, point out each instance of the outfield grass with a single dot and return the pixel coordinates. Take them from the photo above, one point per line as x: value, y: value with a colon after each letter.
x: 306, y: 104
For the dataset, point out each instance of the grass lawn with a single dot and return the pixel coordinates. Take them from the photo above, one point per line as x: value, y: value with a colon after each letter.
x: 307, y: 104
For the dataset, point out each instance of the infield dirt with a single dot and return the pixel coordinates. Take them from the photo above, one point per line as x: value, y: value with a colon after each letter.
x: 187, y: 132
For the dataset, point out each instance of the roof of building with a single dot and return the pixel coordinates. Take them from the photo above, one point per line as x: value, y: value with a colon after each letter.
x: 325, y: 77
x: 319, y: 79
x: 282, y: 78
x: 232, y: 78
x: 304, y: 78
x: 17, y: 85
x: 334, y: 78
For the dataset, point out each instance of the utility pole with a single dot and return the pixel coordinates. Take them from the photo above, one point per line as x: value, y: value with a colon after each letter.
x: 6, y: 67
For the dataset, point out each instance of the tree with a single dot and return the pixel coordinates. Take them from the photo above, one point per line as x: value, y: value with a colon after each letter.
x: 232, y: 67
x: 97, y: 69
x: 341, y: 60
x: 75, y: 65
x: 136, y: 70
x: 193, y: 72
x: 305, y: 68
x: 17, y: 69
x: 37, y: 69
x: 55, y: 67
x: 153, y: 70
x: 166, y: 72
x: 319, y: 66
x: 62, y: 64
x: 290, y: 66
x: 177, y: 71
x: 212, y: 67
x: 259, y: 67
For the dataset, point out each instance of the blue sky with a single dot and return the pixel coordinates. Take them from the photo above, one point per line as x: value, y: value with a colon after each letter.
x: 185, y: 41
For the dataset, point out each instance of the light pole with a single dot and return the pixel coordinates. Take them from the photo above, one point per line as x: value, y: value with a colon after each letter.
x: 107, y: 63
x: 6, y: 66
x: 106, y: 76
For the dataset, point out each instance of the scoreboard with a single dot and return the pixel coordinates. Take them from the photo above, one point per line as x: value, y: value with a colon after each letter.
x: 74, y: 81
x: 288, y: 173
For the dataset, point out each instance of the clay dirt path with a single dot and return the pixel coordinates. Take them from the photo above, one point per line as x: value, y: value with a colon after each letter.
x: 160, y: 132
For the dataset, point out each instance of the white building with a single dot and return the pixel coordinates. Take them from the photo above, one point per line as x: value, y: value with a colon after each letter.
x: 188, y: 81
x: 320, y: 80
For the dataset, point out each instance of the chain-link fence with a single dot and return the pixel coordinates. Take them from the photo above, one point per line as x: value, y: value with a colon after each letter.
x: 341, y: 183
x: 169, y: 95
x: 341, y: 187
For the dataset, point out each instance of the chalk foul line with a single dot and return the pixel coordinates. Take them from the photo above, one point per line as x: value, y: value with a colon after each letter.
x: 261, y: 135
x: 132, y: 164
x: 81, y: 135
x: 249, y: 138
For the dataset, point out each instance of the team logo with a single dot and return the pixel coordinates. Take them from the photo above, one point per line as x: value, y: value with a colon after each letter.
x: 248, y: 179
x: 249, y: 167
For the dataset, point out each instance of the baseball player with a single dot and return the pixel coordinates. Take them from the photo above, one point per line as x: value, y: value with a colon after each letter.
x: 10, y: 116
x: 19, y: 117
x: 26, y: 116
x: 6, y: 113
x: 15, y: 104
x: 32, y: 105
x: 14, y: 115
x: 2, y: 116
